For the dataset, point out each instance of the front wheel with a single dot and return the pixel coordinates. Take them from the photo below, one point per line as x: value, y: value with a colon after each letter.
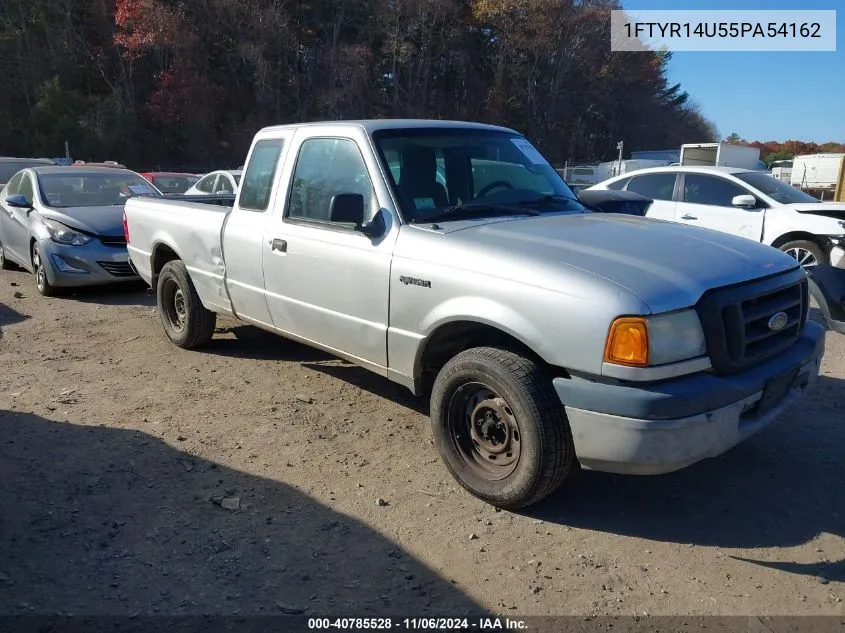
x: 45, y: 288
x: 500, y: 427
x: 809, y: 254
x: 185, y: 320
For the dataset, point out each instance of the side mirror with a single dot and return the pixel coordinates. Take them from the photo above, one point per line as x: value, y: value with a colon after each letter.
x: 347, y: 208
x: 746, y: 201
x: 18, y: 201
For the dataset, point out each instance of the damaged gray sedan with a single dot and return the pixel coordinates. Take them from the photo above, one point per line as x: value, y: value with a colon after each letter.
x: 65, y: 225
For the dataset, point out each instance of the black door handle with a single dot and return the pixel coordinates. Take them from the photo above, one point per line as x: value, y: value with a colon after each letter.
x: 279, y: 245
x: 688, y: 217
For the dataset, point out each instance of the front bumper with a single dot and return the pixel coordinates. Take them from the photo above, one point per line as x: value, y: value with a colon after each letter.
x: 92, y: 264
x: 663, y: 427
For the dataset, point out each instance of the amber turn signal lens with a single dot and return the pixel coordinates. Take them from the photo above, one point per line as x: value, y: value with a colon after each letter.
x: 627, y: 342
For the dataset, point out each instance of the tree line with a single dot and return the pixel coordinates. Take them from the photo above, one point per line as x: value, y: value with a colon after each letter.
x: 770, y: 151
x: 178, y: 84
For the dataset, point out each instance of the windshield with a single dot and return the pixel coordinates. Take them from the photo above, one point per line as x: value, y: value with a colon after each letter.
x: 776, y: 189
x: 75, y: 189
x: 174, y: 184
x: 437, y: 170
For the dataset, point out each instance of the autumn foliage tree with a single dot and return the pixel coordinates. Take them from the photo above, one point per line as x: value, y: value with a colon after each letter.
x: 171, y: 83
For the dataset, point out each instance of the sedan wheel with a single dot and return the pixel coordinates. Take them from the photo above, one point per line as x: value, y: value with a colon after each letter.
x: 808, y: 254
x: 43, y: 284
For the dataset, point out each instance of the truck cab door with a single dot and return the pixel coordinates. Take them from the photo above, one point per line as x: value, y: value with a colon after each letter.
x: 245, y: 226
x: 327, y: 282
x: 707, y: 200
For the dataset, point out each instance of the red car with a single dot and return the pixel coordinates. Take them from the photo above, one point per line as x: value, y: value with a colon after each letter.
x: 170, y: 183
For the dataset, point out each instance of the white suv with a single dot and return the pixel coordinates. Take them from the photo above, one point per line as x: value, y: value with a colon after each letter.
x: 746, y: 203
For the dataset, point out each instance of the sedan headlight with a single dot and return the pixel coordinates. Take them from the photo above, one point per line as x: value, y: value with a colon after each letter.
x: 655, y: 340
x: 64, y: 234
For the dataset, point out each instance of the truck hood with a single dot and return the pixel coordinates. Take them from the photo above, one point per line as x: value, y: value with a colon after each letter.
x: 828, y: 209
x: 106, y: 221
x: 666, y: 265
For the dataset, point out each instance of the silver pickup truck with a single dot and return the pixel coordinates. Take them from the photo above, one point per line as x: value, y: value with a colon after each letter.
x: 452, y: 258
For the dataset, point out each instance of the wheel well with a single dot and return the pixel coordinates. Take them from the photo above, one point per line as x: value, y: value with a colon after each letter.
x: 453, y: 338
x: 795, y: 236
x: 161, y: 255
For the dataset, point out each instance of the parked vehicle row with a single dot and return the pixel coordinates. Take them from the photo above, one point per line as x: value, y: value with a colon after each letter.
x: 545, y: 336
x: 745, y: 203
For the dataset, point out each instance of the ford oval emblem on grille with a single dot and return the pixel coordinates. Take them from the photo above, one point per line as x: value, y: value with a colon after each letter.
x: 778, y: 321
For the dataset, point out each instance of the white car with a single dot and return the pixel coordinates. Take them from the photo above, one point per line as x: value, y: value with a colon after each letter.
x: 221, y: 181
x: 745, y: 203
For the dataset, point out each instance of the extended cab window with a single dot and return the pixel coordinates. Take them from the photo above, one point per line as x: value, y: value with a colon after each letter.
x: 654, y: 186
x: 712, y: 190
x: 258, y: 178
x: 325, y: 168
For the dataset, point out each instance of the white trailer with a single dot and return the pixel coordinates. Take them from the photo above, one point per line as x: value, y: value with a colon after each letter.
x: 720, y: 154
x: 613, y: 168
x: 817, y: 172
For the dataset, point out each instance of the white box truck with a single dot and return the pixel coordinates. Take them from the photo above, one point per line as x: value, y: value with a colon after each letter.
x: 720, y: 154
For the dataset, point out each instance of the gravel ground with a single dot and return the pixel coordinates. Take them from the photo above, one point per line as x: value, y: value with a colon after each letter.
x: 260, y: 476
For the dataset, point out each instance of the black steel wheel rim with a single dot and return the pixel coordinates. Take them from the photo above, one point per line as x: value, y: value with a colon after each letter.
x: 173, y: 304
x: 484, y: 431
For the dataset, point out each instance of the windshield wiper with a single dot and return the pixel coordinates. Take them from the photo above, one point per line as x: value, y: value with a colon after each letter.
x: 550, y: 199
x: 473, y: 209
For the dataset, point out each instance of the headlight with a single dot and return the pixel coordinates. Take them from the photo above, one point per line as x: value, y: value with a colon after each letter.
x: 655, y: 340
x: 65, y: 235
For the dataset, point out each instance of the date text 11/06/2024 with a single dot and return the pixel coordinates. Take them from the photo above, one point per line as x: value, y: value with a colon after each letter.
x: 422, y: 624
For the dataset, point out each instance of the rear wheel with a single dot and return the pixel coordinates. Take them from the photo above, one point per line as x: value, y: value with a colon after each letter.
x: 43, y: 284
x: 185, y: 320
x: 500, y: 427
x: 809, y: 254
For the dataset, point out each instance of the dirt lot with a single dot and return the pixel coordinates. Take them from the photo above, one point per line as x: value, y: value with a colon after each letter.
x: 114, y: 441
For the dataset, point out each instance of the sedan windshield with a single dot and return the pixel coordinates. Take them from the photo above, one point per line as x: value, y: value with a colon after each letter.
x: 774, y: 188
x: 75, y: 189
x: 450, y: 173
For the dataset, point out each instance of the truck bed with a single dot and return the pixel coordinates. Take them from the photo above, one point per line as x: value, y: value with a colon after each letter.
x: 191, y: 230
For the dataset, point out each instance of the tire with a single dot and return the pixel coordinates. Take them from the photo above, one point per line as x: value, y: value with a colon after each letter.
x: 488, y: 401
x: 809, y: 254
x: 185, y: 320
x: 5, y: 264
x: 42, y: 284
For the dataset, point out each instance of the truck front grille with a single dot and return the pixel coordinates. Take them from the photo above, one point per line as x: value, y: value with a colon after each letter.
x: 118, y: 269
x: 736, y: 320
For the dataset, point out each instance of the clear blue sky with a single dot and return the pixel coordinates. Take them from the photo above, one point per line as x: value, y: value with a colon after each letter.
x: 765, y: 96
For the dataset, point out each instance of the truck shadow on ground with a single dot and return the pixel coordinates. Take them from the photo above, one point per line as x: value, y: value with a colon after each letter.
x: 100, y: 520
x: 125, y: 294
x: 235, y: 340
x: 10, y: 316
x: 780, y: 488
